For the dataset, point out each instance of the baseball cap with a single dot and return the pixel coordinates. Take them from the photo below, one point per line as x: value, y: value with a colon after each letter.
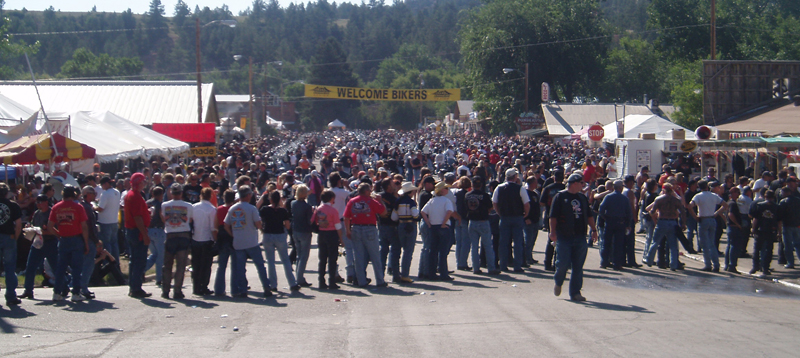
x: 511, y: 172
x: 575, y: 178
x: 137, y: 178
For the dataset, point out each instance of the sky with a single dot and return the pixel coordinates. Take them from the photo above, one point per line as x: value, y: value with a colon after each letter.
x: 137, y: 6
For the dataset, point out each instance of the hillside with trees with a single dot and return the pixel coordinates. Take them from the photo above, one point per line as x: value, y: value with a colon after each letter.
x: 588, y: 50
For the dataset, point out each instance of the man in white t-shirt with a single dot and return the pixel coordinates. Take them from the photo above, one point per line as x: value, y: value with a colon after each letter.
x: 176, y: 215
x: 437, y: 213
x: 108, y: 217
x: 706, y: 203
x: 342, y: 197
x: 766, y: 177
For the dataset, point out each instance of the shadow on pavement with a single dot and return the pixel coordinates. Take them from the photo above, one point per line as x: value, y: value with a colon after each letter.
x: 392, y: 291
x: 156, y: 303
x: 13, y: 312
x: 204, y: 304
x: 90, y: 306
x: 614, y: 307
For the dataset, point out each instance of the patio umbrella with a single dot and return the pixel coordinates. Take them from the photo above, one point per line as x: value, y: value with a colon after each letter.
x: 39, y: 149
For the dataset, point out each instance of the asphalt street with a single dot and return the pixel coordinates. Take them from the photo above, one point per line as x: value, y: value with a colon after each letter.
x: 638, y: 312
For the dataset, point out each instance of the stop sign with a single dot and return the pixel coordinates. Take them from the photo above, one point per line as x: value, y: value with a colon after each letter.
x: 596, y: 132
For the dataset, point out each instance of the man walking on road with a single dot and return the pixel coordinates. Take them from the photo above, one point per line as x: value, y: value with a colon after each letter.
x: 511, y: 201
x: 569, y: 216
x: 615, y: 209
x: 666, y: 210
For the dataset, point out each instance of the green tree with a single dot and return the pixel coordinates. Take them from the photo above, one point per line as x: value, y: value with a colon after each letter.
x: 683, y: 34
x: 544, y: 33
x: 84, y: 64
x: 634, y: 69
x: 330, y: 68
x: 685, y: 81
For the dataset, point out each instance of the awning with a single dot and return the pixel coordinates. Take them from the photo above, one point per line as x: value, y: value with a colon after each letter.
x: 39, y: 149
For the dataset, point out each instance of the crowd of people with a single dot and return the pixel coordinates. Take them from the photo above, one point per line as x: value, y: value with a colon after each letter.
x: 367, y: 196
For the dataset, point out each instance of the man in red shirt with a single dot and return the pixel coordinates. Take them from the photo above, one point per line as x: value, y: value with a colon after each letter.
x: 137, y: 219
x: 359, y: 222
x: 67, y: 221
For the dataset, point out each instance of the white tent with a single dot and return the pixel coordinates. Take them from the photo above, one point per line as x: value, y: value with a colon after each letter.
x: 636, y: 124
x: 336, y: 124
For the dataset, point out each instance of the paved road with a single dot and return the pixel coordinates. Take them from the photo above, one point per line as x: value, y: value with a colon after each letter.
x: 644, y: 312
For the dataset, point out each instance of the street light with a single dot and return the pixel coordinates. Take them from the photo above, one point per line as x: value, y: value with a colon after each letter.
x: 509, y: 70
x: 229, y: 23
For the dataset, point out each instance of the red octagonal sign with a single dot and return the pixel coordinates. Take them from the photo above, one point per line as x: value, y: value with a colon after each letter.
x: 596, y: 132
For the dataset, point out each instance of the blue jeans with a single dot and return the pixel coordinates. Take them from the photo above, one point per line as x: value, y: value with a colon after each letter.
x: 349, y: 253
x: 440, y: 239
x: 70, y: 253
x: 138, y: 259
x: 407, y: 236
x: 691, y: 226
x: 705, y: 235
x: 530, y: 232
x: 302, y: 242
x: 571, y: 254
x: 481, y: 231
x: 649, y: 227
x: 365, y: 242
x: 511, y: 228
x: 791, y: 244
x: 665, y: 228
x: 277, y: 242
x: 8, y: 252
x: 36, y: 258
x: 735, y: 247
x: 462, y: 243
x: 389, y: 240
x: 157, y: 239
x: 225, y: 252
x: 108, y: 236
x: 88, y: 266
x: 239, y: 281
x: 417, y: 172
x: 424, y: 254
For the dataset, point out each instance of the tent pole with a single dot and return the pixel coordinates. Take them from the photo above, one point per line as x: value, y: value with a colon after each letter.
x: 46, y: 120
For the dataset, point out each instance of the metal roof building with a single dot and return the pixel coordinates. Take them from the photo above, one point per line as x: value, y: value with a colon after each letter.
x: 564, y: 119
x: 142, y: 102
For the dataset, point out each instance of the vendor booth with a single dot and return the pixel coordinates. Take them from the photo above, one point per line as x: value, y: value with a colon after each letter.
x: 336, y: 125
x: 651, y: 141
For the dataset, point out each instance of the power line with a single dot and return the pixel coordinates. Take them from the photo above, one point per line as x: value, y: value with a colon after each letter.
x: 545, y: 43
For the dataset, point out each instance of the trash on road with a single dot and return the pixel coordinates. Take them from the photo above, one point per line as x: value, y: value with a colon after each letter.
x: 758, y: 290
x: 170, y: 316
x: 221, y: 326
x: 223, y: 316
x: 514, y: 285
x: 422, y: 293
x: 236, y: 329
x: 432, y: 300
x: 171, y: 333
x: 26, y: 336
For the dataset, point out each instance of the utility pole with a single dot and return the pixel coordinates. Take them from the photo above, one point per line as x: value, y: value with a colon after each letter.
x: 713, y: 29
x: 199, y: 80
x: 250, y: 100
x: 421, y: 82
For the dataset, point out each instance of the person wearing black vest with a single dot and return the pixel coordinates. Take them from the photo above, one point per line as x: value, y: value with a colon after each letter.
x: 766, y: 227
x: 569, y: 216
x: 556, y: 184
x: 532, y: 220
x: 789, y: 215
x: 511, y: 201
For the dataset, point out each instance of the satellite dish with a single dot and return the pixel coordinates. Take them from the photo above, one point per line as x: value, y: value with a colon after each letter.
x: 703, y: 132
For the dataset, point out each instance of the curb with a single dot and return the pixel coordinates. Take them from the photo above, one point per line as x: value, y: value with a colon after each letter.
x: 700, y: 259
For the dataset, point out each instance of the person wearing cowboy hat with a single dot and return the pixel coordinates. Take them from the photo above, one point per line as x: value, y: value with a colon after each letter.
x: 406, y: 213
x: 437, y: 213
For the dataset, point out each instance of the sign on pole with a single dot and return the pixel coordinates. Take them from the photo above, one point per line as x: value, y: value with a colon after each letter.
x: 188, y: 132
x: 545, y: 92
x: 379, y: 94
x: 596, y: 132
